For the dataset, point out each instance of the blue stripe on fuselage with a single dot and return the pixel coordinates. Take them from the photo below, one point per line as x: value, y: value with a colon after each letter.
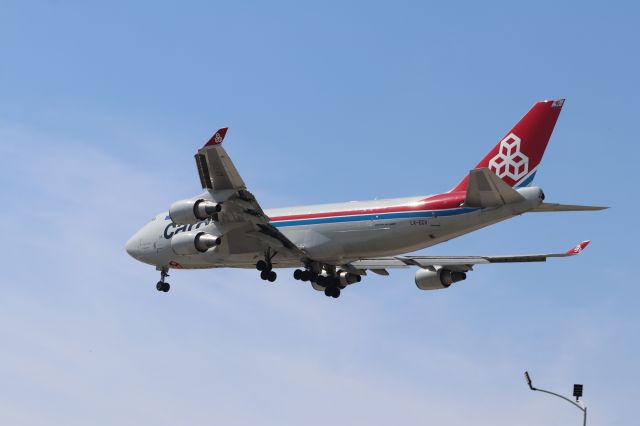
x: 384, y: 216
x: 374, y: 216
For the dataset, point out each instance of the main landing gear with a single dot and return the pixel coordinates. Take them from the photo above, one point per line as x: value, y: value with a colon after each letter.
x: 162, y: 285
x: 328, y: 280
x: 266, y: 272
x: 332, y: 292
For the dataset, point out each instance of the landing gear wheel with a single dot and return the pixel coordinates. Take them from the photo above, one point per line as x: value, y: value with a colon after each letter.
x: 332, y: 292
x: 325, y: 281
x: 305, y: 276
x: 163, y: 286
x: 297, y: 274
x: 264, y: 275
x: 261, y: 265
x: 272, y: 276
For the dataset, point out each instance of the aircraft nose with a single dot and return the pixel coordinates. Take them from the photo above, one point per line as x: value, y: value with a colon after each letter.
x: 133, y: 246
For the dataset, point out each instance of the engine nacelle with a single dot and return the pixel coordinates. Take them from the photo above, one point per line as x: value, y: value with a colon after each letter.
x: 187, y: 243
x: 187, y: 212
x: 347, y: 278
x: 442, y: 278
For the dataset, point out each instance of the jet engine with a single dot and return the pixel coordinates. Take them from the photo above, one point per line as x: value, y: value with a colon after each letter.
x: 187, y: 243
x: 187, y: 212
x: 442, y: 278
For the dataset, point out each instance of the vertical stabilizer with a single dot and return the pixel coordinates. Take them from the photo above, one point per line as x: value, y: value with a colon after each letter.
x: 516, y: 157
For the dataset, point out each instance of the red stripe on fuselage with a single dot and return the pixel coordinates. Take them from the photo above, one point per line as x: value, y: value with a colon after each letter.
x: 449, y: 200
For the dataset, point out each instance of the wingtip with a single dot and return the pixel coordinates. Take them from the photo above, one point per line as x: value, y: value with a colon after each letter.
x: 218, y: 137
x: 578, y: 249
x: 555, y: 103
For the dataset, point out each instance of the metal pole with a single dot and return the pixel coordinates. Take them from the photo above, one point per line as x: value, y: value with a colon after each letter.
x: 584, y: 422
x: 582, y: 407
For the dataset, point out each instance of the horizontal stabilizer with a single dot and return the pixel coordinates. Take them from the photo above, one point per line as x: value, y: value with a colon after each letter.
x: 555, y: 207
x: 485, y: 189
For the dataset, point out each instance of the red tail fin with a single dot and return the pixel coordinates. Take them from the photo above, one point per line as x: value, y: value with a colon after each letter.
x: 516, y: 157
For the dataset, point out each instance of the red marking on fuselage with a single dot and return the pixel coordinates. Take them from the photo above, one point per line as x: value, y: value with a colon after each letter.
x: 449, y: 200
x: 175, y: 265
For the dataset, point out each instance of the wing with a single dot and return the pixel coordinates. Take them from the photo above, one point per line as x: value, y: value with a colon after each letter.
x: 215, y: 168
x: 455, y: 263
x: 250, y: 229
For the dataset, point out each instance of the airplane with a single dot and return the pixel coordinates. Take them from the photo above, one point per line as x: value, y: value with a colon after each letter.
x: 336, y: 245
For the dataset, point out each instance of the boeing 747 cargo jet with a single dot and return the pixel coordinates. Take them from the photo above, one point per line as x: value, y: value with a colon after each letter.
x: 336, y: 245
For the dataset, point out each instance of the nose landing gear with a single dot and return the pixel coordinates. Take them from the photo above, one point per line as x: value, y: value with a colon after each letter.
x: 162, y: 285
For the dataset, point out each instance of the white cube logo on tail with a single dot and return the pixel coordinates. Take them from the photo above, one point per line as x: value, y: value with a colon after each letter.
x: 509, y: 161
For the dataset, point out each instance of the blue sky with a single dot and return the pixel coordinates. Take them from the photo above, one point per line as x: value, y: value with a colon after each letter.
x: 103, y: 105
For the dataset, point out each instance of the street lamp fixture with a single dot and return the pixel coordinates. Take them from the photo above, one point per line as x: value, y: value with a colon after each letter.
x: 577, y: 393
x: 528, y: 378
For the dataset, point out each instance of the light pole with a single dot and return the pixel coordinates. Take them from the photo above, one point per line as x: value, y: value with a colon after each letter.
x: 577, y: 392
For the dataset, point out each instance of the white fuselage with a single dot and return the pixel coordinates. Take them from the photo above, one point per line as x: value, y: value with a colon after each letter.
x: 334, y: 233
